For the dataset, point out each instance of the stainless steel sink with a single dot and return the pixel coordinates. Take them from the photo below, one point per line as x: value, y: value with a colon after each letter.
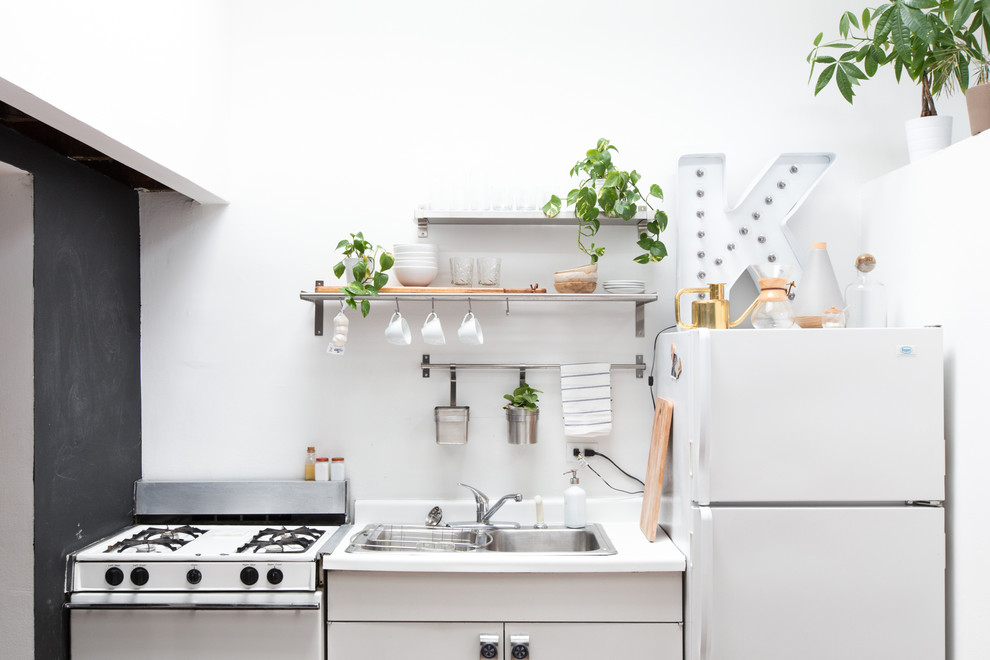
x: 415, y: 538
x: 589, y: 541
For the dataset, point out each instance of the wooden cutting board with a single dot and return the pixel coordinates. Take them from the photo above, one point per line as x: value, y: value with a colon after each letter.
x: 656, y: 463
x: 435, y: 289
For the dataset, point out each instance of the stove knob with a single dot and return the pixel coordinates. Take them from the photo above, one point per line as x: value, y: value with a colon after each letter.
x: 193, y: 576
x: 249, y: 575
x: 114, y: 576
x: 275, y: 576
x: 139, y: 576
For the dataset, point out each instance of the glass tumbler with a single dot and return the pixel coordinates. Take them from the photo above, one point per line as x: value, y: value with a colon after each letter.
x: 489, y: 271
x: 461, y: 271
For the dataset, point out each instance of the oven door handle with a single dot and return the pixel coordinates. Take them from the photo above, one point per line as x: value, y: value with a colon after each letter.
x: 192, y: 606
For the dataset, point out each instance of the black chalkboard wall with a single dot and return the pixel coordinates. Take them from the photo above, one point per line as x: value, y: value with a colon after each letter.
x: 87, y: 369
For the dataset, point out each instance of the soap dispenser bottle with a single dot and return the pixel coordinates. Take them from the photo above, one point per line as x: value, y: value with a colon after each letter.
x: 574, y: 503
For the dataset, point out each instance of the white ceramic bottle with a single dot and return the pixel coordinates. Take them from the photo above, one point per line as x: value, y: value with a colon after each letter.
x: 574, y: 503
x: 818, y: 289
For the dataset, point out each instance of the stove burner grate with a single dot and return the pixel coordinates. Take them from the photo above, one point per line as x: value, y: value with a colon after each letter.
x: 282, y: 540
x: 157, y: 539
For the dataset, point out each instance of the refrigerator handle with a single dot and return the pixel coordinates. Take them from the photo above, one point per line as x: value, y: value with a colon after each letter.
x: 702, y: 560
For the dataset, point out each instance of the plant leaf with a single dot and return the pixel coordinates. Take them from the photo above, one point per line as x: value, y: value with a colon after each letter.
x: 661, y: 217
x: 916, y: 21
x: 365, y: 307
x: 386, y: 261
x: 379, y: 280
x: 900, y: 35
x: 642, y: 259
x: 818, y: 39
x: 613, y: 180
x: 338, y: 269
x: 845, y: 86
x: 656, y: 191
x: 634, y: 177
x: 853, y: 71
x: 825, y: 59
x: 870, y: 65
x: 825, y: 77
x: 866, y: 18
x: 552, y: 208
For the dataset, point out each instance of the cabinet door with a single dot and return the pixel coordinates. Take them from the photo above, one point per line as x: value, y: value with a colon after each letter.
x: 410, y: 641
x: 596, y: 641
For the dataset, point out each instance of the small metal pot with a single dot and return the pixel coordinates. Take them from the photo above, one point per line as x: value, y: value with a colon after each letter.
x: 522, y: 425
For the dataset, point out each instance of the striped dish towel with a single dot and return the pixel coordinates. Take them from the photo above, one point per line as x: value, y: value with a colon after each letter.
x: 586, y: 399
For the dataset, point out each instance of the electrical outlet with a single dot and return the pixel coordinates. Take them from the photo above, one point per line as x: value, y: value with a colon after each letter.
x: 572, y: 446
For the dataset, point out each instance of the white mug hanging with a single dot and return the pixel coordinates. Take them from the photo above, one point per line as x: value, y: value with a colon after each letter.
x: 339, y: 338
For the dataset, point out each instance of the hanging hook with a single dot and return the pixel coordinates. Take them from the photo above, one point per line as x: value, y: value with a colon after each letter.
x: 469, y: 307
x: 506, y: 306
x: 343, y: 306
x: 396, y: 305
x: 433, y: 305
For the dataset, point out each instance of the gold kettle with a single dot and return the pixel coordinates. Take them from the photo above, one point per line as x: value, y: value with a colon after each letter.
x: 712, y: 313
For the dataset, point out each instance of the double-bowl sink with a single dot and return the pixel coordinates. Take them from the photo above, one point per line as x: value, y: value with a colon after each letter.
x: 587, y: 541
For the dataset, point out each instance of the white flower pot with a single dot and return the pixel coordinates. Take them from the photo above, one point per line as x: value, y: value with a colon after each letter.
x: 926, y: 135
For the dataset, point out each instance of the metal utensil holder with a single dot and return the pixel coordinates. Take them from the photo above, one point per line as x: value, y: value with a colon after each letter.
x: 452, y: 420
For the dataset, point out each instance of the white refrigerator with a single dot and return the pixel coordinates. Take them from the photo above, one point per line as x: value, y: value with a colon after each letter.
x: 804, y: 484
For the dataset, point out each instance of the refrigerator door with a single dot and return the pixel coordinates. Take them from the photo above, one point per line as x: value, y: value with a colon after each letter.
x: 816, y: 583
x: 852, y: 415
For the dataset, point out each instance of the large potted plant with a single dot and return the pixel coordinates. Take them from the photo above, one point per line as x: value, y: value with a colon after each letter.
x: 606, y: 191
x: 366, y: 263
x: 933, y: 42
x: 522, y: 412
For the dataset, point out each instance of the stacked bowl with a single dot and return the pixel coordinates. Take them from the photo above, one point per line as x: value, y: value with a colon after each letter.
x: 625, y: 286
x: 415, y: 263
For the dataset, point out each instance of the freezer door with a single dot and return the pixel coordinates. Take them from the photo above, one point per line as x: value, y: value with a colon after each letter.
x: 816, y: 583
x: 851, y: 415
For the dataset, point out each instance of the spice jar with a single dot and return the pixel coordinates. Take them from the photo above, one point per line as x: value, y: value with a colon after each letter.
x: 337, y: 469
x: 323, y: 469
x: 309, y: 473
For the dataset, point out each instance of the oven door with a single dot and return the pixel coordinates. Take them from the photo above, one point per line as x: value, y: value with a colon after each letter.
x: 200, y: 626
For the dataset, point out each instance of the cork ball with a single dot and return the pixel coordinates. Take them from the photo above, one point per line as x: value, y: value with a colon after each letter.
x: 865, y: 263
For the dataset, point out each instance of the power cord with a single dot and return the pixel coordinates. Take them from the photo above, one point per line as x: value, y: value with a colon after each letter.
x: 592, y: 452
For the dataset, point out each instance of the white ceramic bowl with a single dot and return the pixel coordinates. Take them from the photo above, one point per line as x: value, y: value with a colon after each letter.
x: 432, y: 263
x: 415, y: 275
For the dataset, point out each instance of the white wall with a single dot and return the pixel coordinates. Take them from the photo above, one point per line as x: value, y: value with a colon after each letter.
x: 926, y: 224
x: 346, y: 116
x: 17, y: 412
x: 143, y: 82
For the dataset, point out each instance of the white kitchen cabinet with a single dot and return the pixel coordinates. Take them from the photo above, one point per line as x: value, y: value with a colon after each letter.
x: 436, y: 616
x: 546, y: 641
x: 409, y: 640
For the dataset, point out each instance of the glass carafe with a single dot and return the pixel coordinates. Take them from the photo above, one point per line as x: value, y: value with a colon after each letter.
x: 773, y: 308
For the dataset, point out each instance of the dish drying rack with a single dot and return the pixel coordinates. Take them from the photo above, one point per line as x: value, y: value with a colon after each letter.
x: 419, y: 538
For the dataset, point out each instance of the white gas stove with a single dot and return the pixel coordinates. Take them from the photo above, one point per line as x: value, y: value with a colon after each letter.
x: 186, y: 558
x: 238, y: 591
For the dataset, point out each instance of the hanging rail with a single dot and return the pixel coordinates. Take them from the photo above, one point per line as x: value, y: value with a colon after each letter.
x: 426, y: 366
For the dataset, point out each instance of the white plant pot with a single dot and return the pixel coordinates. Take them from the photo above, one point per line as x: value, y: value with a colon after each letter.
x: 926, y: 135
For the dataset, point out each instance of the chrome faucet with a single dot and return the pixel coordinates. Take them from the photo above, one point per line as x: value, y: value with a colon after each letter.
x: 484, y: 513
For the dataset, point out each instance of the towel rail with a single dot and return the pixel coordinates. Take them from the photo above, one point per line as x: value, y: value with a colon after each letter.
x: 426, y: 366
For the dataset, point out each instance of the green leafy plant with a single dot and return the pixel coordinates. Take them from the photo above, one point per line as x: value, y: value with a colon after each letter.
x: 523, y: 396
x: 605, y: 190
x: 934, y: 42
x: 368, y: 273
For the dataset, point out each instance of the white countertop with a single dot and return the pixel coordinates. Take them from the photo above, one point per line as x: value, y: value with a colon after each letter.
x: 619, y: 517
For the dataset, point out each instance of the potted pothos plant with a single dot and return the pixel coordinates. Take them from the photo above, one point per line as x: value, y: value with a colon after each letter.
x: 366, y: 264
x: 522, y: 412
x: 606, y: 191
x: 932, y: 42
